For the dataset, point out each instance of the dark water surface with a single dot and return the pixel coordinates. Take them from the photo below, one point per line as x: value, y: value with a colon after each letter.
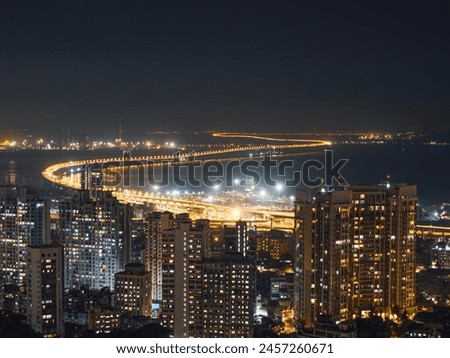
x: 426, y: 166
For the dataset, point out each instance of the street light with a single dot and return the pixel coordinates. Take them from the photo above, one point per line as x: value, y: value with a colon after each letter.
x: 236, y: 213
x: 279, y: 187
x: 236, y: 183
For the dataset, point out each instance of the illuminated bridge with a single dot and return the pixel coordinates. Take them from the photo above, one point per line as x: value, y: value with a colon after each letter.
x: 430, y: 231
x: 64, y: 174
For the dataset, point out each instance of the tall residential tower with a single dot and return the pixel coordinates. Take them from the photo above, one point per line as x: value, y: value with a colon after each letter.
x: 93, y: 234
x: 355, y: 252
x: 24, y: 220
x: 45, y: 279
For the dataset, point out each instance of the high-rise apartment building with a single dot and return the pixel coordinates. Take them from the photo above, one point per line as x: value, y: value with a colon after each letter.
x: 157, y: 223
x: 182, y: 254
x: 91, y: 179
x: 237, y: 239
x: 137, y: 240
x: 228, y: 296
x: 355, y: 252
x: 24, y: 220
x: 45, y: 279
x: 133, y: 290
x: 93, y: 234
x: 201, y: 293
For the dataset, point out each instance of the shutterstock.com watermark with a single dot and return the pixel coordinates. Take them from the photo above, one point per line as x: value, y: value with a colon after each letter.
x: 186, y: 171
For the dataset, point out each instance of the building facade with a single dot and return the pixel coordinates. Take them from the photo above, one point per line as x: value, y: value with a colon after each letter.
x: 355, y: 252
x: 201, y: 292
x: 237, y: 238
x: 228, y: 296
x: 103, y: 320
x: 93, y: 234
x: 275, y: 243
x: 183, y: 251
x: 24, y: 220
x: 45, y: 278
x: 133, y: 290
x: 153, y: 253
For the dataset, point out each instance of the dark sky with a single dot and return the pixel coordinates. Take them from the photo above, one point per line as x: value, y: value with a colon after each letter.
x: 231, y: 65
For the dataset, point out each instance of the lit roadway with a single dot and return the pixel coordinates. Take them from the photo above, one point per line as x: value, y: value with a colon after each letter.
x: 196, y: 209
x: 432, y: 230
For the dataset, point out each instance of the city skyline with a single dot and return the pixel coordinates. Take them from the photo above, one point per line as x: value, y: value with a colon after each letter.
x: 257, y: 169
x: 182, y: 271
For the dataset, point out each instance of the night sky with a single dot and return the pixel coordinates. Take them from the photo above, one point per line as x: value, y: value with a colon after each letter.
x: 224, y: 65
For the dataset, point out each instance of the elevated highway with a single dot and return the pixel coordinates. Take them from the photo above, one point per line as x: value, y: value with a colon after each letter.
x: 65, y: 174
